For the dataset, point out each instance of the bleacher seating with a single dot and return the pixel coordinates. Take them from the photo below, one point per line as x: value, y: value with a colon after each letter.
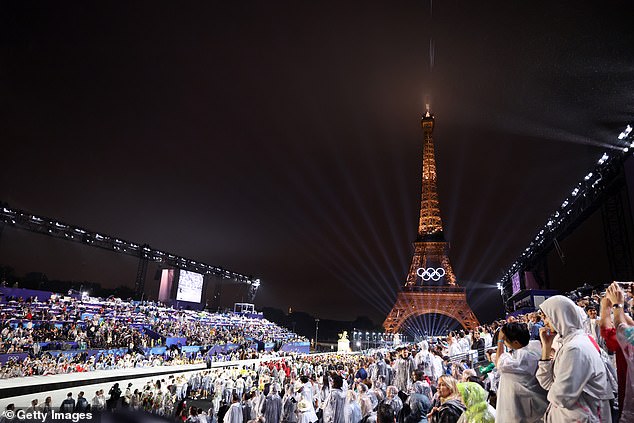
x: 93, y: 330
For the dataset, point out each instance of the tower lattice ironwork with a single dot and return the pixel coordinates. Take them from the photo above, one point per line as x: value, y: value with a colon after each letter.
x: 431, y: 283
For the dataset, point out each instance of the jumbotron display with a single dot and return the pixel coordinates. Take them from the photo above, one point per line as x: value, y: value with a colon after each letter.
x: 190, y: 286
x: 516, y: 283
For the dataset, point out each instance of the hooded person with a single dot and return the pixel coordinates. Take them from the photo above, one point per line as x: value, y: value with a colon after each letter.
x: 367, y: 411
x: 575, y: 378
x: 352, y: 407
x: 474, y: 398
x: 419, y: 403
x: 366, y: 391
x: 404, y: 367
x: 392, y: 398
x: 234, y: 413
x: 334, y: 406
x: 305, y: 409
x: 423, y: 359
x: 289, y: 403
x: 272, y: 407
x: 381, y: 367
x: 248, y: 413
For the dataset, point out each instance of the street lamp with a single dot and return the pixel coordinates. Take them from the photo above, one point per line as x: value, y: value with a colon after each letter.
x: 316, y: 332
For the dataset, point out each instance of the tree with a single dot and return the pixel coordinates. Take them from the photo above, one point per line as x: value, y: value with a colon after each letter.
x: 34, y: 280
x: 7, y: 274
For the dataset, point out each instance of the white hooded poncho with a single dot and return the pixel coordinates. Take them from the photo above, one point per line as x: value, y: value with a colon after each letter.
x: 576, y: 380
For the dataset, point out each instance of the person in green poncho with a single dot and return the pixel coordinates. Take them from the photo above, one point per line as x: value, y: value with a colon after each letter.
x: 474, y: 398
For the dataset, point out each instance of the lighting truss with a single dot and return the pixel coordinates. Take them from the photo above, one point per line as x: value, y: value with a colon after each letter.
x: 43, y: 225
x: 582, y: 200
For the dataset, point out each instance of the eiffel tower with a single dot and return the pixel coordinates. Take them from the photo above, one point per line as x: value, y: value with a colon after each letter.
x: 431, y: 283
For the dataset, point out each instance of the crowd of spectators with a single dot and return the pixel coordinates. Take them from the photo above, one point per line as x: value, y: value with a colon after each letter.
x: 498, y: 372
x: 580, y: 368
x: 76, y: 326
x: 96, y: 323
x: 29, y: 337
x: 46, y: 364
x: 218, y: 329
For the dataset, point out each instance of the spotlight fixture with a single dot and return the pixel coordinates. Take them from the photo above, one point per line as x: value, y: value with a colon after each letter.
x: 603, y: 158
x: 625, y: 132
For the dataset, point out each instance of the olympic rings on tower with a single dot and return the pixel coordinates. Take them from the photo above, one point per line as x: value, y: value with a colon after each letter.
x: 431, y: 273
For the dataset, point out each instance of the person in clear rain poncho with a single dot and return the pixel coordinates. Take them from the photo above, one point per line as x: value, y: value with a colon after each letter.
x: 520, y: 398
x: 392, y: 398
x: 334, y: 407
x: 352, y: 408
x: 419, y: 403
x: 234, y: 414
x: 272, y: 407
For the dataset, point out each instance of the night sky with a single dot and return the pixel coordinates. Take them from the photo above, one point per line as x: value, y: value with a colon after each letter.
x: 282, y: 139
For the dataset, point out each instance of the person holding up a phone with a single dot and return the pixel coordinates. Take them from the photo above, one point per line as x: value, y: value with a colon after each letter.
x: 575, y: 377
x: 621, y: 330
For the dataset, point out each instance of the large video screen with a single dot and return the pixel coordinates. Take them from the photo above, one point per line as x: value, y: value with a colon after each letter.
x: 190, y: 287
x: 516, y: 283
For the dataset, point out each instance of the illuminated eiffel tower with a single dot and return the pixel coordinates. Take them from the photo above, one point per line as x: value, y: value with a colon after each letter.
x: 431, y: 284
